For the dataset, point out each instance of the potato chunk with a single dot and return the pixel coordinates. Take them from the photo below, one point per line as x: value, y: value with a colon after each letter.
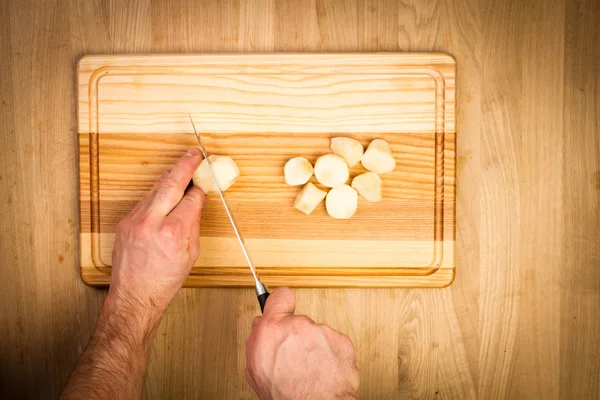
x: 378, y: 157
x: 297, y: 171
x: 368, y: 185
x: 309, y: 198
x: 341, y: 202
x: 331, y: 170
x: 349, y: 149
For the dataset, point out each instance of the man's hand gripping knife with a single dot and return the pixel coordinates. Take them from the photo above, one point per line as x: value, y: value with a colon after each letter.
x: 291, y: 357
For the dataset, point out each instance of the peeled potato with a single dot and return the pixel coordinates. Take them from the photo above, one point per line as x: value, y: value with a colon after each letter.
x: 349, y: 149
x: 378, y: 157
x: 309, y: 198
x: 341, y: 202
x: 368, y: 185
x: 297, y: 171
x: 226, y: 172
x: 331, y: 170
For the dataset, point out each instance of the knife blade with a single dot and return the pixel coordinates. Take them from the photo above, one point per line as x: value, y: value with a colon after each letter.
x: 262, y: 293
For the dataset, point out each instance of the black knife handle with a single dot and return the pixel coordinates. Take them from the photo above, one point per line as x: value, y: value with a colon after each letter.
x: 262, y: 300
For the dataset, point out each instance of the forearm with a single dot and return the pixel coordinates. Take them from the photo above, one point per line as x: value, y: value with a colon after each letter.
x: 114, y: 363
x: 156, y: 246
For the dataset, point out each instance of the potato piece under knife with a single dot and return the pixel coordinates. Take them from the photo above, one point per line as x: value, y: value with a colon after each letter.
x: 226, y: 171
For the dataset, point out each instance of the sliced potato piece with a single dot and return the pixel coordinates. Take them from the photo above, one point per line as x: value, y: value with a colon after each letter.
x: 368, y: 185
x: 349, y: 149
x: 378, y: 157
x: 331, y: 170
x: 309, y: 198
x: 297, y: 171
x: 226, y: 171
x: 341, y: 202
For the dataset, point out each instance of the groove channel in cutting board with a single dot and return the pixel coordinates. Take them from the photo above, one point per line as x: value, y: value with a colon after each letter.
x: 263, y: 110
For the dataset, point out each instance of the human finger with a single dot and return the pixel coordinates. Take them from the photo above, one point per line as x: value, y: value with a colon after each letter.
x: 171, y: 189
x: 280, y: 304
x: 143, y: 204
x: 189, y: 210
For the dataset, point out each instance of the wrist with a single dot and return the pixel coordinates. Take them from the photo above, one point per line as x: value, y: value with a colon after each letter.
x: 123, y: 319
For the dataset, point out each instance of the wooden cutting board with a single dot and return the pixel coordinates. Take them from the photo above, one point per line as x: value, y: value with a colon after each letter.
x: 263, y: 109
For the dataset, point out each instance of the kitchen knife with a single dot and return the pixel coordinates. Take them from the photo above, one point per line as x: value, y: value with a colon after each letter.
x: 262, y: 292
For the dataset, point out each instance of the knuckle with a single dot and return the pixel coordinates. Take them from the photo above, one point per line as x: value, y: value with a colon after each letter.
x: 343, y: 341
x: 263, y: 335
x: 169, y: 235
x: 165, y: 189
x: 301, y: 322
x: 168, y: 183
x: 270, y: 322
x: 304, y: 320
x: 164, y: 175
x: 142, y: 229
x: 346, y: 343
x: 344, y: 338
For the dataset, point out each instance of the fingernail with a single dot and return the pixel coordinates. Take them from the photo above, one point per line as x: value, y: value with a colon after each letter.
x: 193, y: 152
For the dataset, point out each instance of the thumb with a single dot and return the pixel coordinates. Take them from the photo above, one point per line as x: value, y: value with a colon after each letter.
x: 280, y: 304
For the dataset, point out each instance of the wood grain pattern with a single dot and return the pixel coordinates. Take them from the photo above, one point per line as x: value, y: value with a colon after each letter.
x: 520, y: 320
x: 263, y: 110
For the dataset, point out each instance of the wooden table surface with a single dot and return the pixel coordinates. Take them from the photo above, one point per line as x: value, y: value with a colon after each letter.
x: 522, y: 319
